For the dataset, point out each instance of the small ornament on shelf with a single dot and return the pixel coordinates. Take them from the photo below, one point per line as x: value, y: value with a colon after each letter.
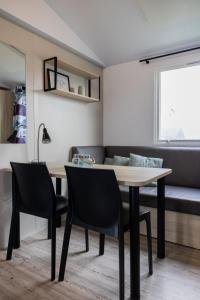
x: 80, y: 90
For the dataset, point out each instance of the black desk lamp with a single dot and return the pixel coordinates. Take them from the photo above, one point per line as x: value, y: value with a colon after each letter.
x: 45, y: 139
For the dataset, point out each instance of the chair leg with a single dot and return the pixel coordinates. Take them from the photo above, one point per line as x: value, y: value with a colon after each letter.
x: 11, y: 237
x: 53, y: 248
x: 86, y: 240
x: 101, y: 243
x: 121, y: 266
x: 58, y: 222
x: 49, y: 229
x: 17, y: 231
x: 65, y: 248
x: 149, y: 244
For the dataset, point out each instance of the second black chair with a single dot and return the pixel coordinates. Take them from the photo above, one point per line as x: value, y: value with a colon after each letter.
x: 95, y: 203
x: 33, y: 194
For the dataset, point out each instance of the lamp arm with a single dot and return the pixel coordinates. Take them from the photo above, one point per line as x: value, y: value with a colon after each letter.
x: 38, y: 141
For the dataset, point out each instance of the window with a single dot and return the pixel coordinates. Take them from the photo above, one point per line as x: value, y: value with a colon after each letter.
x: 179, y: 104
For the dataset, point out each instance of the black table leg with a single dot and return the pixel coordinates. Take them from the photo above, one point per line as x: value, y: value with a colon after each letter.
x: 58, y: 186
x: 161, y: 218
x: 134, y: 242
x: 58, y: 192
x: 16, y: 244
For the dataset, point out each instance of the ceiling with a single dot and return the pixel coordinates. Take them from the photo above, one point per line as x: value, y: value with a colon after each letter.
x: 12, y: 66
x: 123, y: 30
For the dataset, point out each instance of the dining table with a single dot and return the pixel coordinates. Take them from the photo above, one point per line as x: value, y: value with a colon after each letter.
x: 134, y: 178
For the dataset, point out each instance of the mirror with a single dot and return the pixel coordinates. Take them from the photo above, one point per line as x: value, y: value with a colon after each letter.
x: 13, y: 121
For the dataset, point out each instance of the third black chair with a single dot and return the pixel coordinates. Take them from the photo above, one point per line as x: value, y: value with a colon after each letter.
x: 95, y: 204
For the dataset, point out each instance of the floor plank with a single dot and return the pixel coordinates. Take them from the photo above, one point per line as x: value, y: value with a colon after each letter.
x: 91, y: 277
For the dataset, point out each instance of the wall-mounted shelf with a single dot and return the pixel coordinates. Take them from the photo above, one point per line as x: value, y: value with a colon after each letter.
x: 74, y: 96
x: 51, y: 82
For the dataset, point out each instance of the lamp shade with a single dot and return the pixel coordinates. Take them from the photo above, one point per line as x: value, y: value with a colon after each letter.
x: 45, y: 137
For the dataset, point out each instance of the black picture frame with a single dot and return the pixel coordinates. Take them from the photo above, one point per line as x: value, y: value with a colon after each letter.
x: 49, y: 71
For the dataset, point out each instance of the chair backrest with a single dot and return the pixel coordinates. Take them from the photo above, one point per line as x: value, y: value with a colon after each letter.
x: 35, y: 192
x: 94, y: 196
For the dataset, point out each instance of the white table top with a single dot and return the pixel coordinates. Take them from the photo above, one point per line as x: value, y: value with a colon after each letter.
x: 126, y: 175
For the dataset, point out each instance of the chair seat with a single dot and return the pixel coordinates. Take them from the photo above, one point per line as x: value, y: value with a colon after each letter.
x: 61, y: 203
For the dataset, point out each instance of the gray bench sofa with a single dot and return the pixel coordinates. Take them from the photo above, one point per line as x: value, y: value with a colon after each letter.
x: 182, y: 186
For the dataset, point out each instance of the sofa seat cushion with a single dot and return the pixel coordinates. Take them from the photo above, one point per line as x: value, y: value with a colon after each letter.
x: 178, y: 198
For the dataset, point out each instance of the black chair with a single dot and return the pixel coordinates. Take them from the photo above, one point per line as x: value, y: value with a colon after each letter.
x: 34, y: 195
x: 95, y: 203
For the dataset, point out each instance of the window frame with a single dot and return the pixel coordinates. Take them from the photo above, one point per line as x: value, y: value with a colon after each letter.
x: 157, y: 106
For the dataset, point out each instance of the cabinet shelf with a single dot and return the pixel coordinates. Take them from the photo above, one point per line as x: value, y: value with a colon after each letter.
x: 74, y: 96
x: 55, y: 66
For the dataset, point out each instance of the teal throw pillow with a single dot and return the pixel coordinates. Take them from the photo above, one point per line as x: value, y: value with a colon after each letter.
x: 121, y: 160
x: 148, y: 162
x: 143, y: 161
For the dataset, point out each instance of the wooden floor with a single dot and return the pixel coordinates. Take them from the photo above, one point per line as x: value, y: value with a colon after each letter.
x: 89, y: 276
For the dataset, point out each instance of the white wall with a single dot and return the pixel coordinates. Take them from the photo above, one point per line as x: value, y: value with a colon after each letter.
x: 129, y: 119
x: 69, y: 122
x: 41, y: 18
x: 129, y: 99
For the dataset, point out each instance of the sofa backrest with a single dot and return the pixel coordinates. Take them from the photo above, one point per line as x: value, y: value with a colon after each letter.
x: 184, y: 162
x: 98, y: 152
